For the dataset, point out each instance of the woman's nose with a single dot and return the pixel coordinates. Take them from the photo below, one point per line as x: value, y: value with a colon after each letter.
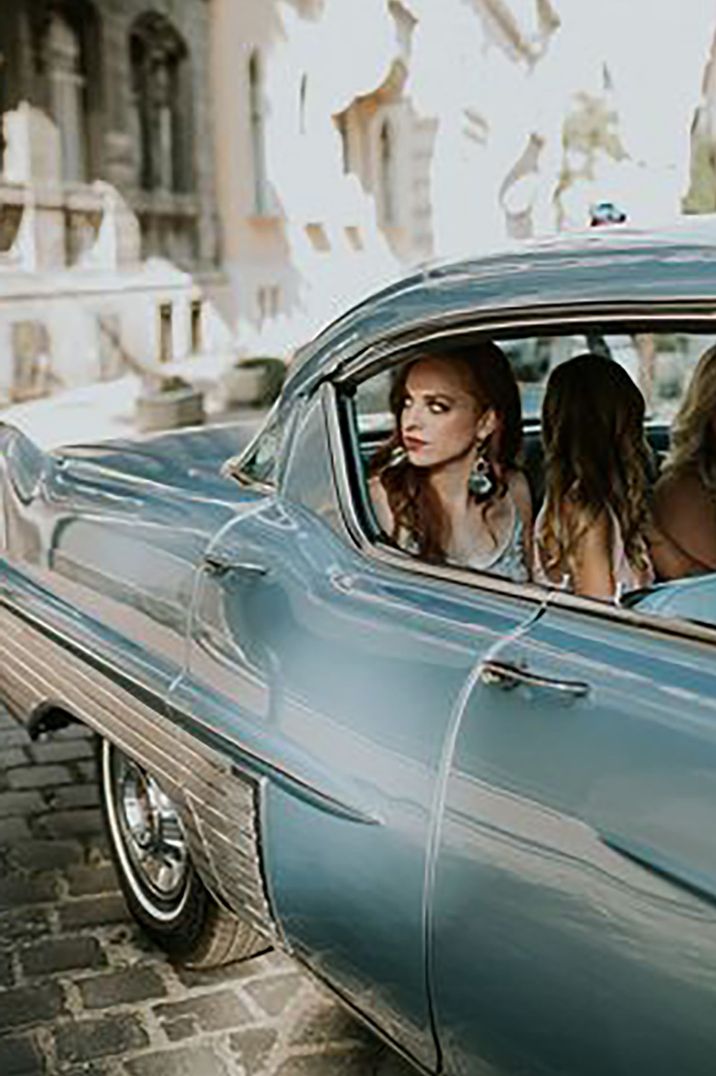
x: 412, y: 419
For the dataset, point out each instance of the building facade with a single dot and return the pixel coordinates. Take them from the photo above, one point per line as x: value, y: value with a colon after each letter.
x: 186, y: 175
x: 108, y: 222
x: 357, y: 140
x: 126, y: 86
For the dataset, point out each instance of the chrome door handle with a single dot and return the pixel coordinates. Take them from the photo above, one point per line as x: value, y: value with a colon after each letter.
x: 218, y: 565
x: 507, y: 677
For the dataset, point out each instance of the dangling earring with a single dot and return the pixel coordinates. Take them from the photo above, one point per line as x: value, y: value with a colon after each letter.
x: 481, y: 482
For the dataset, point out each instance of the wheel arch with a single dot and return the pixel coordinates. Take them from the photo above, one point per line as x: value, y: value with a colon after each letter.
x: 50, y: 716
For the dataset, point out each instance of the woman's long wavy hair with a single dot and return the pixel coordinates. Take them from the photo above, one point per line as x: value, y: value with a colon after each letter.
x: 414, y: 505
x: 596, y: 456
x: 693, y: 438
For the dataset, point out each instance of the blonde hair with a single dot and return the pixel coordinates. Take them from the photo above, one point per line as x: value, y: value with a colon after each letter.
x: 596, y: 458
x: 693, y: 438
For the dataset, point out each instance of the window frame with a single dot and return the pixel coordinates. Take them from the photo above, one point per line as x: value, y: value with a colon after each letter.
x: 352, y: 493
x: 235, y: 466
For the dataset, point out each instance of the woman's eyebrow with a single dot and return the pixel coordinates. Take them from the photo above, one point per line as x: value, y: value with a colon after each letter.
x: 440, y: 396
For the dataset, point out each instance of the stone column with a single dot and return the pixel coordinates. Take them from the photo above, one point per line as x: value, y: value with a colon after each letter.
x: 66, y: 91
x: 202, y: 144
x: 121, y: 141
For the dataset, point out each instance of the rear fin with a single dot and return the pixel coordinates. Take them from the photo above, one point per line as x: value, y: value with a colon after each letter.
x: 22, y: 464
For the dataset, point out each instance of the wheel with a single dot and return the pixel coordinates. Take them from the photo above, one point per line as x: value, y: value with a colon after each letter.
x: 163, y: 891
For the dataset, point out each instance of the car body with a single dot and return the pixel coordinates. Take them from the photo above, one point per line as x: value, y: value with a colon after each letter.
x: 481, y: 811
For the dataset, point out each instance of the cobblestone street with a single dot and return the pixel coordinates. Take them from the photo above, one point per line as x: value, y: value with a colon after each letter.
x: 83, y: 992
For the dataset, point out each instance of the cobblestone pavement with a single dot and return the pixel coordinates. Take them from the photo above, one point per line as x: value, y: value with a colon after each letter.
x: 82, y: 991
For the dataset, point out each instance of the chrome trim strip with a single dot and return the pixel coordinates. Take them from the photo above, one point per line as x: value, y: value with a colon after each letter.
x: 266, y: 766
x: 373, y: 351
x: 212, y: 799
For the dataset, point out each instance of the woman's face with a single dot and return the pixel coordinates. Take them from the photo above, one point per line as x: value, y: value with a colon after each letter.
x: 441, y: 420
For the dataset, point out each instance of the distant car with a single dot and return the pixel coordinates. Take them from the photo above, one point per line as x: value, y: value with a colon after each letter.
x: 481, y: 811
x: 601, y: 213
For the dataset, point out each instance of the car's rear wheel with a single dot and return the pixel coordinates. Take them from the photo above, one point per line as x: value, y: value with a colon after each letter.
x: 161, y: 886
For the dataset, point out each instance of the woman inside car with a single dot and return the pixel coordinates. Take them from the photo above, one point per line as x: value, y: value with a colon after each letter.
x: 684, y: 538
x: 590, y: 532
x: 446, y: 486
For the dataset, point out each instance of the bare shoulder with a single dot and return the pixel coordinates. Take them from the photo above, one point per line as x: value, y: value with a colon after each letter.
x: 591, y: 560
x: 597, y: 530
x: 685, y: 515
x: 593, y: 533
x: 679, y: 490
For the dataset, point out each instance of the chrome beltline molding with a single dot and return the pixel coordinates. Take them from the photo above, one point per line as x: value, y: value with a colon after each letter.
x: 257, y: 765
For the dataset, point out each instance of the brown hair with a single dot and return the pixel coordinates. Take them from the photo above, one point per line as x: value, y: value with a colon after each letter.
x: 596, y: 456
x: 413, y: 503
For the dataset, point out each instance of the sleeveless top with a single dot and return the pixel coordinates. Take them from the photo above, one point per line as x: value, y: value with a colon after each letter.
x: 625, y: 576
x: 507, y: 561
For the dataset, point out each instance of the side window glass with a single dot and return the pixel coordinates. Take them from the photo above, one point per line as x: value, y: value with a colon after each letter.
x: 259, y: 462
x: 308, y: 478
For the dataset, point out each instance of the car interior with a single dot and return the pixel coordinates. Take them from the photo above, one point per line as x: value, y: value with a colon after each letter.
x: 659, y: 362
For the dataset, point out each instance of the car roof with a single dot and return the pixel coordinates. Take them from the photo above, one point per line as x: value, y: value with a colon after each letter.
x: 607, y: 265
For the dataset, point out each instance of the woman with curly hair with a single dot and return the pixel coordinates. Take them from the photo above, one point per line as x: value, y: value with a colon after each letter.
x: 684, y: 541
x: 446, y: 486
x: 590, y: 532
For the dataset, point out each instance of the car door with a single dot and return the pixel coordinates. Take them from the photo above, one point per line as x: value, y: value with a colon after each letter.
x: 336, y: 679
x: 574, y: 923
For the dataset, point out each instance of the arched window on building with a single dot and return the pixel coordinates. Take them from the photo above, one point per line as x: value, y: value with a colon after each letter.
x: 67, y: 83
x: 162, y: 100
x: 257, y: 121
x: 386, y: 173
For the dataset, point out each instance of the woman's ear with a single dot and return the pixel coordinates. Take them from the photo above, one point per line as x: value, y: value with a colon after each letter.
x: 486, y: 424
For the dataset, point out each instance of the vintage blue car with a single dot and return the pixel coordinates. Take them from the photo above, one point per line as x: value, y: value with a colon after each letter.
x: 484, y: 812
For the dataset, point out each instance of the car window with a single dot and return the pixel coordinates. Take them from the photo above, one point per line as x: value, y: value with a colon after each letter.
x: 660, y: 363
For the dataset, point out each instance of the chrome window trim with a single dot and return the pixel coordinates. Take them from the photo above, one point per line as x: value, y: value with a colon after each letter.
x: 383, y: 554
x: 376, y: 354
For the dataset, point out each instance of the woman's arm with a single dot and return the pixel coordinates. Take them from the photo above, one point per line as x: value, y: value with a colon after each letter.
x: 591, y: 562
x: 381, y: 508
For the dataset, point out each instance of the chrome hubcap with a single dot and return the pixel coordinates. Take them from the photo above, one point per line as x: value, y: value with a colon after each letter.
x: 153, y: 835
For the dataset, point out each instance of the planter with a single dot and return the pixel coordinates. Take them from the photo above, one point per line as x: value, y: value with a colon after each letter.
x: 253, y: 382
x: 166, y: 410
